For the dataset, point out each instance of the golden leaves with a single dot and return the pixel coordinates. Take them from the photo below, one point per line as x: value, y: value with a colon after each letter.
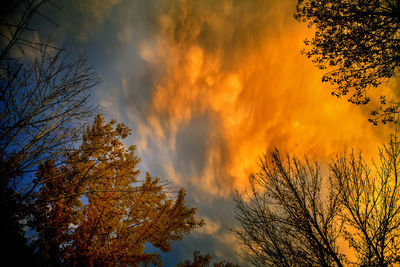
x: 104, y: 214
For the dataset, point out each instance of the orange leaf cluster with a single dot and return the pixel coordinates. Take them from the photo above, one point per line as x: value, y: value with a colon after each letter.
x: 93, y: 210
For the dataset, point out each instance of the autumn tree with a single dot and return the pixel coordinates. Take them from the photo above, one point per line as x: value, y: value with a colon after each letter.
x: 94, y: 211
x: 358, y: 42
x: 295, y: 215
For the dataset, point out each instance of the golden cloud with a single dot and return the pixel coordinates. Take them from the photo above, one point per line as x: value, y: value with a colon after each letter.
x: 253, y: 84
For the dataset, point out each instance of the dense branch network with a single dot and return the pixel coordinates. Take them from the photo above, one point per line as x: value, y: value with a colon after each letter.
x: 358, y: 42
x: 296, y: 216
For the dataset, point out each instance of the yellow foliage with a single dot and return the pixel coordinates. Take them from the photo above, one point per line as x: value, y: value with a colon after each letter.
x: 93, y: 210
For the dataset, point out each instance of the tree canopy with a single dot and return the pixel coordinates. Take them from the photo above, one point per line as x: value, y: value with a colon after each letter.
x: 358, y: 42
x: 93, y: 210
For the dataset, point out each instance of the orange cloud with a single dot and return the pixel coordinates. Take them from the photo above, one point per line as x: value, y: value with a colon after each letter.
x: 254, y: 88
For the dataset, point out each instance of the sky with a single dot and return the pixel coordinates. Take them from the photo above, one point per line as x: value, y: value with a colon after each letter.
x: 208, y: 87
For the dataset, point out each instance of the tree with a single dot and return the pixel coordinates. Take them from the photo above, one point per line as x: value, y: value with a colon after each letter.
x: 93, y: 210
x: 14, y: 248
x: 204, y: 261
x: 15, y: 18
x: 358, y: 41
x: 43, y: 100
x: 296, y: 216
x: 288, y: 223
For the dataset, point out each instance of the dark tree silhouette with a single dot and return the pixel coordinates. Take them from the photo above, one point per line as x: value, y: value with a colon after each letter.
x: 295, y: 216
x: 204, y: 261
x: 358, y: 42
x: 43, y: 100
x: 288, y: 223
x: 15, y: 18
x: 14, y: 247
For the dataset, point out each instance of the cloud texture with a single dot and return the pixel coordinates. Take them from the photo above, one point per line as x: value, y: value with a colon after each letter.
x: 231, y: 84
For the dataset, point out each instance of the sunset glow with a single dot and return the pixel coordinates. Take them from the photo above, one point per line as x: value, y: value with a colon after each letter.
x: 246, y: 95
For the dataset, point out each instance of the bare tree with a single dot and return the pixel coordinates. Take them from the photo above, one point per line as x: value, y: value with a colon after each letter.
x: 288, y: 223
x: 15, y: 17
x: 295, y: 216
x: 43, y: 101
x: 371, y: 205
x: 41, y: 107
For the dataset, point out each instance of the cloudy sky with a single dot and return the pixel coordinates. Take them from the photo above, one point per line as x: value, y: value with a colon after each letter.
x: 208, y: 86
